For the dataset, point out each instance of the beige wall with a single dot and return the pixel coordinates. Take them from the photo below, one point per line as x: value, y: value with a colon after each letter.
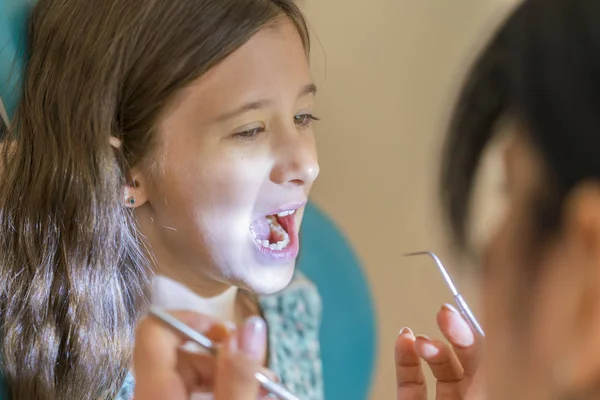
x: 387, y: 70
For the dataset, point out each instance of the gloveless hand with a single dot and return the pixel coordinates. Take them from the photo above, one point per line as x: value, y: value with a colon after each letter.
x: 164, y: 371
x: 455, y: 366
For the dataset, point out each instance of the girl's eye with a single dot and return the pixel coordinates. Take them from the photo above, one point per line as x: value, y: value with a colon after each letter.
x: 250, y: 134
x: 305, y: 120
x: 301, y: 120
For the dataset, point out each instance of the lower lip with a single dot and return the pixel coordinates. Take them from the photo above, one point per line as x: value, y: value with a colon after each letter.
x: 286, y: 255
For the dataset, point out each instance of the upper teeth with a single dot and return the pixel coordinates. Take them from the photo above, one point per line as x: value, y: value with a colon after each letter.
x: 286, y: 213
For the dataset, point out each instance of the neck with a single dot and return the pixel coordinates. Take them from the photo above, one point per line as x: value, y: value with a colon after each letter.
x: 172, y: 295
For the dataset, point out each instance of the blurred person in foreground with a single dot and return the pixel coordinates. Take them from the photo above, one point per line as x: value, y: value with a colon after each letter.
x: 540, y: 74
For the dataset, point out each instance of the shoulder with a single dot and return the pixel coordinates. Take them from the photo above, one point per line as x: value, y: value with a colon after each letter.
x: 126, y: 392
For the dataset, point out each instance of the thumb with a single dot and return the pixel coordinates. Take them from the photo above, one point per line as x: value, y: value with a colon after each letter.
x: 239, y: 360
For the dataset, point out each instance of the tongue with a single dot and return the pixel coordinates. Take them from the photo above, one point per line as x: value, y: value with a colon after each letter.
x: 260, y: 229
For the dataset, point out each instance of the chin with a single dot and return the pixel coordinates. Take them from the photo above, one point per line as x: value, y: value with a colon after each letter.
x: 265, y: 280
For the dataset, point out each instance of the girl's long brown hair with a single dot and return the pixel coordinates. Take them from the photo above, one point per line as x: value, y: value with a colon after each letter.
x: 72, y: 273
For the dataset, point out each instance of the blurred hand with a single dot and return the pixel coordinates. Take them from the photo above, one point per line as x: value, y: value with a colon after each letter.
x: 455, y: 366
x: 164, y: 371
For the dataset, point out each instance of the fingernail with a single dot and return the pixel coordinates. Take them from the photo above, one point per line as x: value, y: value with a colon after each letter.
x: 254, y: 338
x: 426, y: 348
x: 406, y: 331
x: 451, y: 308
x: 459, y: 332
x: 230, y: 326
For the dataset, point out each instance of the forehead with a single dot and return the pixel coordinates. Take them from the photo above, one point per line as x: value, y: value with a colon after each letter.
x: 270, y: 65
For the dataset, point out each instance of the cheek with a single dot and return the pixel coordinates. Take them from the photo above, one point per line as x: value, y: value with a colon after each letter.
x: 208, y: 203
x: 216, y: 180
x: 299, y: 216
x: 556, y: 295
x: 503, y: 256
x: 499, y: 258
x: 506, y: 257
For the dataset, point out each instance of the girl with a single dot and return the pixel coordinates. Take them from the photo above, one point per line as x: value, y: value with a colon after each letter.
x: 168, y: 136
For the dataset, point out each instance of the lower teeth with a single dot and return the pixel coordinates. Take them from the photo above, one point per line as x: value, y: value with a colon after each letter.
x: 280, y: 245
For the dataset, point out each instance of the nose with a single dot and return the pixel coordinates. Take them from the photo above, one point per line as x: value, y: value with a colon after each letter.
x: 297, y: 163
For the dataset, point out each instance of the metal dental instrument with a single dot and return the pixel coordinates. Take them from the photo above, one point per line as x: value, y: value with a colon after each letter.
x: 464, y: 309
x: 272, y: 387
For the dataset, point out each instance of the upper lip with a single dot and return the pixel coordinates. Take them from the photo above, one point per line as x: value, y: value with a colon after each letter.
x: 289, y: 207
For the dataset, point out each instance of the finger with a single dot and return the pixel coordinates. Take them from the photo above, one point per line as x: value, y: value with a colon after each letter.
x: 218, y: 332
x: 263, y: 393
x: 197, y: 367
x: 253, y: 338
x: 235, y: 374
x: 156, y: 355
x: 197, y: 371
x: 238, y: 362
x: 444, y: 365
x: 151, y: 331
x: 460, y: 335
x: 410, y: 381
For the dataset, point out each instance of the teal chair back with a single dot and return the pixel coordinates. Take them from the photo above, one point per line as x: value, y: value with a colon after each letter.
x: 348, y: 334
x: 13, y: 49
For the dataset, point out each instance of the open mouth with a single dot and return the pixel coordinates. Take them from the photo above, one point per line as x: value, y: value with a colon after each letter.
x: 272, y: 232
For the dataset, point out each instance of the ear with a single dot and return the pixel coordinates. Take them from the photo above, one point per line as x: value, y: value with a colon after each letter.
x: 582, y: 223
x: 134, y: 192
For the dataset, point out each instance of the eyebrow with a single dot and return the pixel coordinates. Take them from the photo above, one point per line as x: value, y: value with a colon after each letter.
x: 311, y: 88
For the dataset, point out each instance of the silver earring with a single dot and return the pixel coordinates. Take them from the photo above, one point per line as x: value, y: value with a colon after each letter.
x: 132, y: 200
